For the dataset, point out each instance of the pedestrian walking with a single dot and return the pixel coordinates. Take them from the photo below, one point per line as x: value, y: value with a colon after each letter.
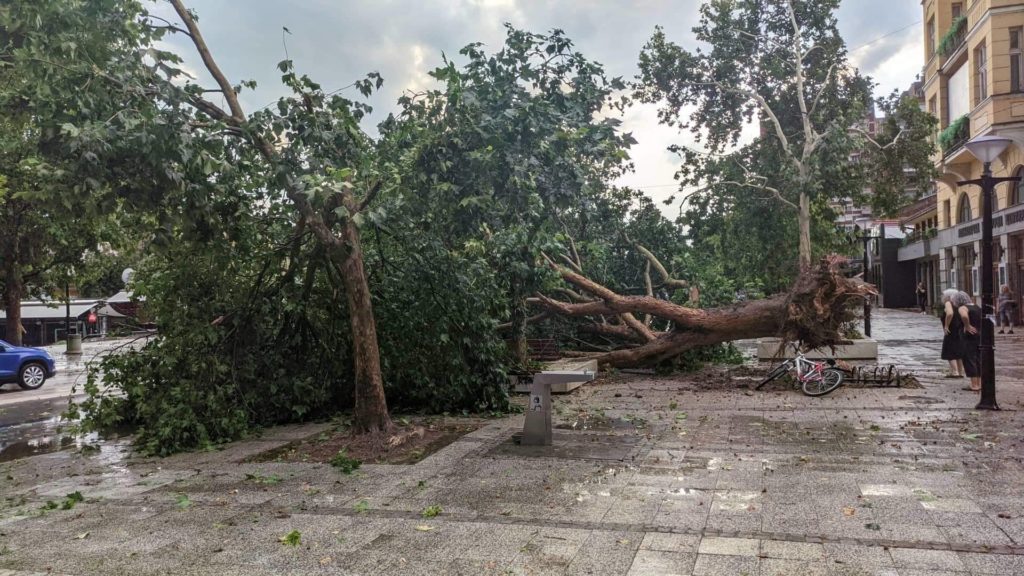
x: 922, y: 297
x: 1005, y: 307
x: 952, y: 326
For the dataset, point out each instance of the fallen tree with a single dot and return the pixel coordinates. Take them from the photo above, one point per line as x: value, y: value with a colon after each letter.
x: 811, y: 313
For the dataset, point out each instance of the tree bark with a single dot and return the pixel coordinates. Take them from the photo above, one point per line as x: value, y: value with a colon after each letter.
x: 14, y: 288
x: 370, y: 413
x: 517, y: 328
x: 804, y: 218
x: 811, y: 313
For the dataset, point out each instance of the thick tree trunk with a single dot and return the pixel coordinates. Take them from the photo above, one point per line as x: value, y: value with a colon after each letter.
x: 13, y: 291
x: 805, y: 231
x: 821, y: 300
x: 13, y: 281
x: 370, y: 413
x: 517, y: 329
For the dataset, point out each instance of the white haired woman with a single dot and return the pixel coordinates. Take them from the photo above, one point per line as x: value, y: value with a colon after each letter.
x: 952, y: 343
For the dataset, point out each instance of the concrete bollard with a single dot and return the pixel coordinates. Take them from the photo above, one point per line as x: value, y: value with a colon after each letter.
x: 537, y: 429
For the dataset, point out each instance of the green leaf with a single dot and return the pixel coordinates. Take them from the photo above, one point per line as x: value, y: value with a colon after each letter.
x: 293, y: 538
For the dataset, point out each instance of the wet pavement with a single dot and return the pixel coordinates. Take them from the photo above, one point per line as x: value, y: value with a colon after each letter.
x: 649, y: 476
x: 30, y: 420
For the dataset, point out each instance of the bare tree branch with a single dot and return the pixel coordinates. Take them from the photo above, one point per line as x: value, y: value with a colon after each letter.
x: 211, y: 65
x: 874, y: 142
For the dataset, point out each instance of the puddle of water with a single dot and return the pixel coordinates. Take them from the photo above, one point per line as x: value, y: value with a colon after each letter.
x: 53, y: 435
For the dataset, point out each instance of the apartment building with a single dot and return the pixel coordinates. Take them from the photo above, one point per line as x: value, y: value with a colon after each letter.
x: 973, y: 82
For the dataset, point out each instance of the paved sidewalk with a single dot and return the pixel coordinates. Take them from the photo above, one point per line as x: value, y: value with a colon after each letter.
x: 661, y: 478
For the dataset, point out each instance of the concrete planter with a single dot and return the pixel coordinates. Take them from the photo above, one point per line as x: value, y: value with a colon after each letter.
x: 866, y: 349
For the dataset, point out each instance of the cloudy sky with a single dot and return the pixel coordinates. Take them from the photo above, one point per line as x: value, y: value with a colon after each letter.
x: 339, y: 41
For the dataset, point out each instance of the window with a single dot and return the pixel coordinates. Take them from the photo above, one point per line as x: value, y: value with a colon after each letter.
x: 948, y: 213
x: 1017, y: 190
x: 964, y: 211
x: 958, y: 10
x: 981, y: 76
x: 931, y: 37
x: 1016, y: 61
x: 933, y: 109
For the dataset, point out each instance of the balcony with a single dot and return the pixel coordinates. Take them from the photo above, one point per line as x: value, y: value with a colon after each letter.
x: 919, y: 235
x: 919, y: 245
x: 953, y: 137
x: 954, y: 37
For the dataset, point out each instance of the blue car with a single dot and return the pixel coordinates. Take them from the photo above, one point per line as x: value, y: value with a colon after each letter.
x: 29, y: 367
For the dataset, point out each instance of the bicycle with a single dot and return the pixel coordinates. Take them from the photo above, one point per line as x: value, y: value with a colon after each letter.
x: 815, y: 378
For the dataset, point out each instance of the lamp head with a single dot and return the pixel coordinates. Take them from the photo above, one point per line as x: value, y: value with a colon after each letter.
x: 987, y: 148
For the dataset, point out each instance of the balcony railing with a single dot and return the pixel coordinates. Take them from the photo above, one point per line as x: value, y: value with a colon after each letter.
x: 954, y: 37
x: 918, y: 235
x: 955, y: 135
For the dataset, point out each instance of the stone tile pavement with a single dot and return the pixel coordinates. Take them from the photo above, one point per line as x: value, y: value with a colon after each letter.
x: 655, y: 478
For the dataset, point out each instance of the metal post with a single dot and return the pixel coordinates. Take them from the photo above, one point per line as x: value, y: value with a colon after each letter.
x: 867, y: 301
x: 987, y: 347
x: 67, y: 310
x: 988, y: 357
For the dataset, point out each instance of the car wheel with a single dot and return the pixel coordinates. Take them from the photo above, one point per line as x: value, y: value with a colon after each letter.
x: 32, y: 376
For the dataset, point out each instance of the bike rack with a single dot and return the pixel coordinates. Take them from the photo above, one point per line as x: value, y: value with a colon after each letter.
x: 877, y: 376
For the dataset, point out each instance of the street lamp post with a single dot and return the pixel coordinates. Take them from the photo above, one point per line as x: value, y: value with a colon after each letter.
x: 987, y: 149
x: 865, y: 238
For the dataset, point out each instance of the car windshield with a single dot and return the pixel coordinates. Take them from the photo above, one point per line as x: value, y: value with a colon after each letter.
x: 5, y: 344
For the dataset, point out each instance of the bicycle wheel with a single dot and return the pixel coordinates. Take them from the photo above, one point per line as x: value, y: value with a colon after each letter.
x: 830, y: 379
x: 775, y: 373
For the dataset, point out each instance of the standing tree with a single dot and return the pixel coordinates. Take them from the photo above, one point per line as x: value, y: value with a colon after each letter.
x: 312, y: 149
x: 52, y: 55
x: 782, y: 65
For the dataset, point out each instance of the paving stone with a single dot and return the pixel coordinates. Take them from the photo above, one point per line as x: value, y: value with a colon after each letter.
x: 926, y: 559
x: 658, y: 563
x: 858, y: 555
x: 780, y: 567
x: 729, y: 546
x: 670, y: 542
x: 606, y: 553
x: 992, y: 563
x: 719, y: 565
x: 792, y: 550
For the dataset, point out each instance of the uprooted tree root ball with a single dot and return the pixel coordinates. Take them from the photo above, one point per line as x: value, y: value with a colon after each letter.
x: 811, y: 313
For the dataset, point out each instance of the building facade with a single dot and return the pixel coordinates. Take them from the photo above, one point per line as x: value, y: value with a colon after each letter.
x: 973, y: 82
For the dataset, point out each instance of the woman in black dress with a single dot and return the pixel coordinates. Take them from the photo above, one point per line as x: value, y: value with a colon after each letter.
x: 970, y: 315
x: 952, y: 344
